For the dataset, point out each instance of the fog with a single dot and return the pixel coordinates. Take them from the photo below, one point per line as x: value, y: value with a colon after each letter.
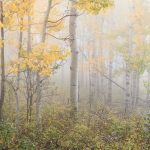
x: 75, y: 75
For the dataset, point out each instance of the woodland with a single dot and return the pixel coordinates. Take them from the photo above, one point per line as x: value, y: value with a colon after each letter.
x: 74, y: 74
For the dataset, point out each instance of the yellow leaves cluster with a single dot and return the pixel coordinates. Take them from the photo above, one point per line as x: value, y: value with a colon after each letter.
x: 14, y: 10
x: 136, y: 60
x: 41, y: 60
x: 21, y: 7
x: 13, y: 67
x: 138, y: 20
x: 137, y: 64
x: 136, y: 56
x: 94, y: 6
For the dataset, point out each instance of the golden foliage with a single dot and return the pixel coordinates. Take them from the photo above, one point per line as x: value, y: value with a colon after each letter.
x: 44, y: 59
x: 94, y: 7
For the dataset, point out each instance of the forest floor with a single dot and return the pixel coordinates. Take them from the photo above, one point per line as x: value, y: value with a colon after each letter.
x: 99, y: 130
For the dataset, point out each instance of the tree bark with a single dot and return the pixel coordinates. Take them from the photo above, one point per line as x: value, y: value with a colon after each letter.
x: 127, y: 92
x: 92, y: 77
x: 39, y: 90
x: 134, y: 88
x: 148, y: 90
x: 74, y: 60
x: 137, y: 88
x: 2, y: 63
x: 18, y: 77
x: 102, y: 62
x: 109, y: 98
x: 29, y: 95
x: 128, y: 73
x: 38, y: 106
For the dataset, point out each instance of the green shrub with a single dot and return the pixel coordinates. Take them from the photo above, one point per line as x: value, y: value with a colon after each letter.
x: 26, y: 144
x: 7, y: 134
x: 100, y: 130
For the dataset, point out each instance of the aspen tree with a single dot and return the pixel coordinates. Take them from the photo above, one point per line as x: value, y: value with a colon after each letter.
x: 91, y: 7
x: 2, y: 96
x: 74, y: 59
x: 38, y: 99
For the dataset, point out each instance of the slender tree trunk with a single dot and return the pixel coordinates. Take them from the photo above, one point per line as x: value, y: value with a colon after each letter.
x: 2, y: 63
x: 93, y: 77
x: 128, y: 74
x: 134, y: 88
x: 29, y: 94
x: 137, y: 88
x: 109, y: 98
x: 38, y: 105
x: 74, y: 60
x: 128, y: 71
x: 127, y: 92
x: 17, y: 109
x: 102, y: 62
x: 18, y: 77
x: 148, y: 90
x: 90, y: 88
x: 98, y: 74
x: 44, y: 28
x: 39, y: 90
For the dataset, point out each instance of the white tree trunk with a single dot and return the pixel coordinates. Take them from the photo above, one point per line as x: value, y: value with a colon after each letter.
x: 39, y: 90
x: 137, y: 88
x: 92, y: 77
x: 74, y: 59
x: 102, y: 66
x: 2, y: 96
x: 128, y: 92
x: 128, y: 74
x: 38, y: 105
x: 29, y: 100
x: 18, y: 80
x: 109, y: 98
x: 148, y: 90
x: 134, y: 88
